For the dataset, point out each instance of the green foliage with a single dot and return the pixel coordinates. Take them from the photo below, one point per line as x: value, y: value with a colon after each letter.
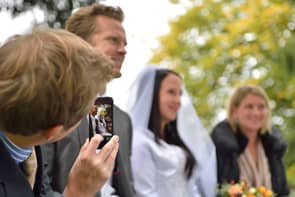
x: 56, y: 11
x: 291, y: 174
x: 217, y: 45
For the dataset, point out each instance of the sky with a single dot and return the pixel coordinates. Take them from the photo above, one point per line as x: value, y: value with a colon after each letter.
x: 145, y: 21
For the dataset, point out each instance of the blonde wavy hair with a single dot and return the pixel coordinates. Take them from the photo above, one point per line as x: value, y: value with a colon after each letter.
x: 83, y: 21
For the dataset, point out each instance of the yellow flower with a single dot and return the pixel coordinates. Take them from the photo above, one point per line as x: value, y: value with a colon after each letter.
x: 252, y: 190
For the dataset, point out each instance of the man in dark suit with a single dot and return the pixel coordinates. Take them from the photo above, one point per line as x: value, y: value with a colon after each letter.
x: 93, y: 120
x: 101, y: 26
x: 47, y: 110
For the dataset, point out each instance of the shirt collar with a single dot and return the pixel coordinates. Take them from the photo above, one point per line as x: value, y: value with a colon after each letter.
x: 17, y: 153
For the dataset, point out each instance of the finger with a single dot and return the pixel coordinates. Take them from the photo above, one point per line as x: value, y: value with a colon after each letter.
x: 85, y: 144
x: 93, y: 143
x: 109, y: 147
x: 112, y: 157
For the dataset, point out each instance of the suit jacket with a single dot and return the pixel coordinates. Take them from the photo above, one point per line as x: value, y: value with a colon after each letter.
x: 13, y: 182
x: 61, y: 155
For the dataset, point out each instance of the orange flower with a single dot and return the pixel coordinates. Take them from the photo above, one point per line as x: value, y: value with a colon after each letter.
x: 241, y: 189
x: 262, y: 190
x: 268, y: 193
x: 234, y: 190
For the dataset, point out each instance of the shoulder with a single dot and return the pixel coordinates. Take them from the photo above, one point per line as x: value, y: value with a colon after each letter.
x: 276, y: 134
x: 142, y: 146
x: 224, y: 137
x: 222, y: 132
x: 143, y: 139
x: 274, y: 141
x: 120, y: 112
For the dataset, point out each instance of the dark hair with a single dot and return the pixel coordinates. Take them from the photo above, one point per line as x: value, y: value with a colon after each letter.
x: 170, y: 133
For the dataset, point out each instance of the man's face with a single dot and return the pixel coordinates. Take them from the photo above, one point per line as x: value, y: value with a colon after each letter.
x: 110, y: 38
x: 93, y: 110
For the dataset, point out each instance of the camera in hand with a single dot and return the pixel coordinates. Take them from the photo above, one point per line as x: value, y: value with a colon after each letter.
x: 101, y: 119
x: 106, y: 138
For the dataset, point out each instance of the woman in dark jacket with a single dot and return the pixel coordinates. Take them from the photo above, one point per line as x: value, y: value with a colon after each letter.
x: 247, y: 147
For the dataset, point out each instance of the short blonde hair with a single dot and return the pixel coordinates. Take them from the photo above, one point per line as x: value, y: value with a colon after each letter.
x: 237, y: 97
x: 48, y: 78
x: 83, y: 21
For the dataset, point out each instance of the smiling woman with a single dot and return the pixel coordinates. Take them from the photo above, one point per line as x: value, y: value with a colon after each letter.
x: 169, y: 99
x: 248, y: 148
x: 178, y: 154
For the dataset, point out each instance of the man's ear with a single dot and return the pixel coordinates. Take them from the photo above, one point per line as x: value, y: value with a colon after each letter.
x: 52, y: 132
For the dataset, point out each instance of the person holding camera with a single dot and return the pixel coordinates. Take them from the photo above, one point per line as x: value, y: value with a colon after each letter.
x: 48, y: 110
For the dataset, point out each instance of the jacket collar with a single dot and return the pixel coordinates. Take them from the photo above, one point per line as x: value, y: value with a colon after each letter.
x: 273, y: 141
x: 11, y: 176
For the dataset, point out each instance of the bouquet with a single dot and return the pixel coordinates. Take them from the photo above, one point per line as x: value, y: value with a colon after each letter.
x: 242, y: 190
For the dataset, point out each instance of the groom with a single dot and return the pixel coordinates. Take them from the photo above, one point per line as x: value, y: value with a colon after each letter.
x: 101, y: 26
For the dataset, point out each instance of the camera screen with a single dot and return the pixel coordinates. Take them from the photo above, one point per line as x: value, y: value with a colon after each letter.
x: 101, y: 119
x: 105, y: 118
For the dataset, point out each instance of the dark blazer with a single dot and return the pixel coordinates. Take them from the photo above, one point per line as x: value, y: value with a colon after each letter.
x: 230, y: 145
x: 13, y: 182
x: 61, y: 155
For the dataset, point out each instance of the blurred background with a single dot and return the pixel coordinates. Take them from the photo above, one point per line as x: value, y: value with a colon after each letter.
x: 214, y: 44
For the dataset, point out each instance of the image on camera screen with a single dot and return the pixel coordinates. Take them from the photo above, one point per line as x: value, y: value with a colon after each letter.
x: 104, y: 116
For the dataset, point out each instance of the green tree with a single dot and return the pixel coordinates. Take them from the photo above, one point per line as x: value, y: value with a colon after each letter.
x: 56, y: 11
x: 218, y: 44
